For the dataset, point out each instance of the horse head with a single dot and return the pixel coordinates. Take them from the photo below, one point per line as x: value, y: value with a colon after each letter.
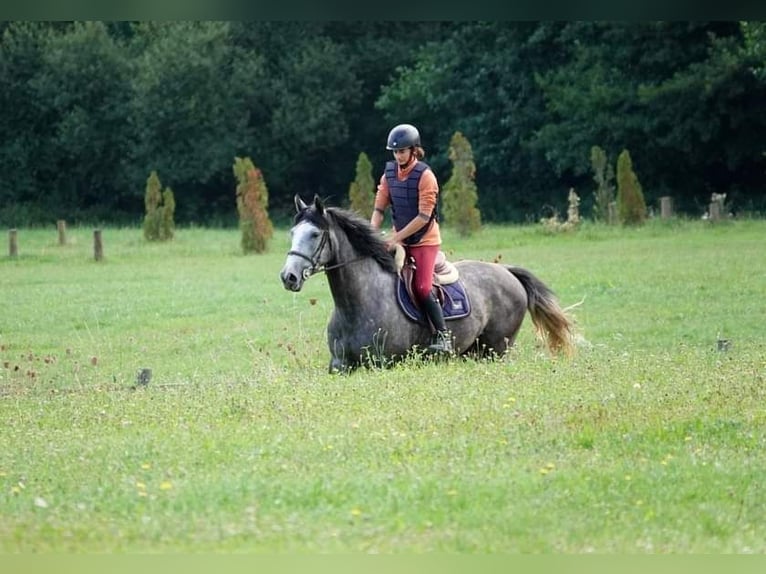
x: 310, y: 246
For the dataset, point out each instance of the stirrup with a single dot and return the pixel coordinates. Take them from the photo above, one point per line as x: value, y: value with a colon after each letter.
x: 442, y: 343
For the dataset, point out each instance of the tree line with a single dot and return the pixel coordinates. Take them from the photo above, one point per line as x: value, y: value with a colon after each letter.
x: 90, y: 109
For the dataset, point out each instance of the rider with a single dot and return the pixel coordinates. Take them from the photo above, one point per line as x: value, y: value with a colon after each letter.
x: 409, y: 186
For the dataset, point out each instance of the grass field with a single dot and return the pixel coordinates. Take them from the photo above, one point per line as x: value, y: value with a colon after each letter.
x: 652, y: 439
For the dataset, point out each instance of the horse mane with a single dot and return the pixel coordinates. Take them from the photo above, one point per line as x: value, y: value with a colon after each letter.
x: 361, y: 235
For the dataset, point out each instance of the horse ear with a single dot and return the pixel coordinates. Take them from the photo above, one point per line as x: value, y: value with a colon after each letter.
x: 318, y: 204
x: 300, y: 205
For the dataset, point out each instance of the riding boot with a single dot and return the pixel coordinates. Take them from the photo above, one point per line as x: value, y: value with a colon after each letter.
x: 442, y: 340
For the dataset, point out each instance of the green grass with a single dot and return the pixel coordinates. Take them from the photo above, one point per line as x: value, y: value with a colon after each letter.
x: 649, y: 440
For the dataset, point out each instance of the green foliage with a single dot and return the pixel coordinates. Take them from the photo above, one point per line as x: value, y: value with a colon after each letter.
x: 159, y: 222
x: 90, y: 107
x: 252, y: 206
x: 754, y: 47
x: 480, y: 80
x: 361, y: 191
x: 631, y: 206
x: 603, y: 175
x: 460, y: 195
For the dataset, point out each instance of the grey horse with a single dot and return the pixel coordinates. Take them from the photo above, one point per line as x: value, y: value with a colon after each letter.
x: 367, y: 325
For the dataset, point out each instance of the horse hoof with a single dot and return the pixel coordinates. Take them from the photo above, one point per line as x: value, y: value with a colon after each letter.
x: 338, y: 367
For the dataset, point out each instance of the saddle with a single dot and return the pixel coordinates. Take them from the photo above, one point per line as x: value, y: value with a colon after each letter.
x: 449, y: 290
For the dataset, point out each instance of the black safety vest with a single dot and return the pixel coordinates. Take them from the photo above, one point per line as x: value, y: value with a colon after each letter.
x: 404, y: 199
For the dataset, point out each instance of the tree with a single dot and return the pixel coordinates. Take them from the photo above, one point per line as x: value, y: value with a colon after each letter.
x: 460, y: 195
x: 603, y: 174
x: 631, y: 206
x: 159, y: 224
x: 361, y: 192
x: 190, y: 114
x: 670, y: 91
x: 480, y: 81
x: 252, y: 205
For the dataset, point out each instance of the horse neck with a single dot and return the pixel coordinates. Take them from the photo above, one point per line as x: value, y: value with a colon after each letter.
x: 357, y: 278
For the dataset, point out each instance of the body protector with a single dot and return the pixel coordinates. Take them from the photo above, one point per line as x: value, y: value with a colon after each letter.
x: 404, y: 199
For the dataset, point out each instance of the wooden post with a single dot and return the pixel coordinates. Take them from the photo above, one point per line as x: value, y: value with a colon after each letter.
x: 612, y: 213
x: 98, y: 245
x: 61, y: 226
x: 13, y: 246
x: 666, y: 207
x: 714, y: 212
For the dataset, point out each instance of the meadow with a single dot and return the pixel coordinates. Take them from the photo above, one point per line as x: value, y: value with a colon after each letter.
x: 651, y: 439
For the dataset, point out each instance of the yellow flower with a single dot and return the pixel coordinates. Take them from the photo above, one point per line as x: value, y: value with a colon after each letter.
x: 356, y: 511
x: 166, y: 485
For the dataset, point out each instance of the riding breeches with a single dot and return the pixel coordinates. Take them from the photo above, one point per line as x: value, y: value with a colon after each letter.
x: 425, y: 259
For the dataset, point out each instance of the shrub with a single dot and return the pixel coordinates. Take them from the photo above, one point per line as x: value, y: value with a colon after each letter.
x: 159, y: 224
x: 361, y: 192
x: 252, y: 206
x: 554, y: 225
x: 631, y: 205
x: 460, y: 195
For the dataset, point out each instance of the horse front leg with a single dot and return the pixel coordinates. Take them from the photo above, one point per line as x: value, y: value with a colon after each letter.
x: 338, y: 366
x: 340, y: 360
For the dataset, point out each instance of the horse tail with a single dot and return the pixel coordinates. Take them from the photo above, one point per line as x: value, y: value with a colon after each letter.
x: 552, y: 323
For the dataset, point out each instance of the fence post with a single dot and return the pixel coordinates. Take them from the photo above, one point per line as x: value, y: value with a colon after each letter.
x: 666, y: 207
x: 612, y: 218
x: 98, y: 245
x: 61, y: 226
x: 714, y: 211
x: 13, y: 246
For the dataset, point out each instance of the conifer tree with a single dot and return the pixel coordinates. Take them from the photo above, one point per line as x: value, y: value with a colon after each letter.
x: 252, y: 206
x: 159, y: 224
x: 361, y: 192
x: 168, y: 224
x: 460, y: 195
x: 631, y: 205
x: 603, y: 174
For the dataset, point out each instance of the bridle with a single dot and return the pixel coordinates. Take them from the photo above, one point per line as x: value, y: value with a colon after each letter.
x: 313, y: 259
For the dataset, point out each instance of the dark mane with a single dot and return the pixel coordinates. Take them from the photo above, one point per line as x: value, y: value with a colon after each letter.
x: 363, y: 238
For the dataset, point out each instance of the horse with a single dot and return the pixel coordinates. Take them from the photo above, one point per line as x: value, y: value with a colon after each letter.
x: 368, y: 325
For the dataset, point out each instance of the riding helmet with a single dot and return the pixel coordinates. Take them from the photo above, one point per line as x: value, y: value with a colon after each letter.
x: 403, y: 136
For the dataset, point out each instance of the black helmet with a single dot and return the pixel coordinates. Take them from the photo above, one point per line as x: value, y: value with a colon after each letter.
x: 403, y: 136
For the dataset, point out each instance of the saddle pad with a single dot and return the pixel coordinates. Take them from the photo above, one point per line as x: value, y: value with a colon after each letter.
x: 454, y: 299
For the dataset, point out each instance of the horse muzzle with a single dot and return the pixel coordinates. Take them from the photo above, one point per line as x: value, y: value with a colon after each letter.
x: 293, y: 281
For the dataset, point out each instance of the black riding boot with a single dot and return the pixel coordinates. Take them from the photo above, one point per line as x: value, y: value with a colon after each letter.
x: 442, y: 341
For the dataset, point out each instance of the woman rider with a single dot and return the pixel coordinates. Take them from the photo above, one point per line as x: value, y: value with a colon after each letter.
x: 409, y: 187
